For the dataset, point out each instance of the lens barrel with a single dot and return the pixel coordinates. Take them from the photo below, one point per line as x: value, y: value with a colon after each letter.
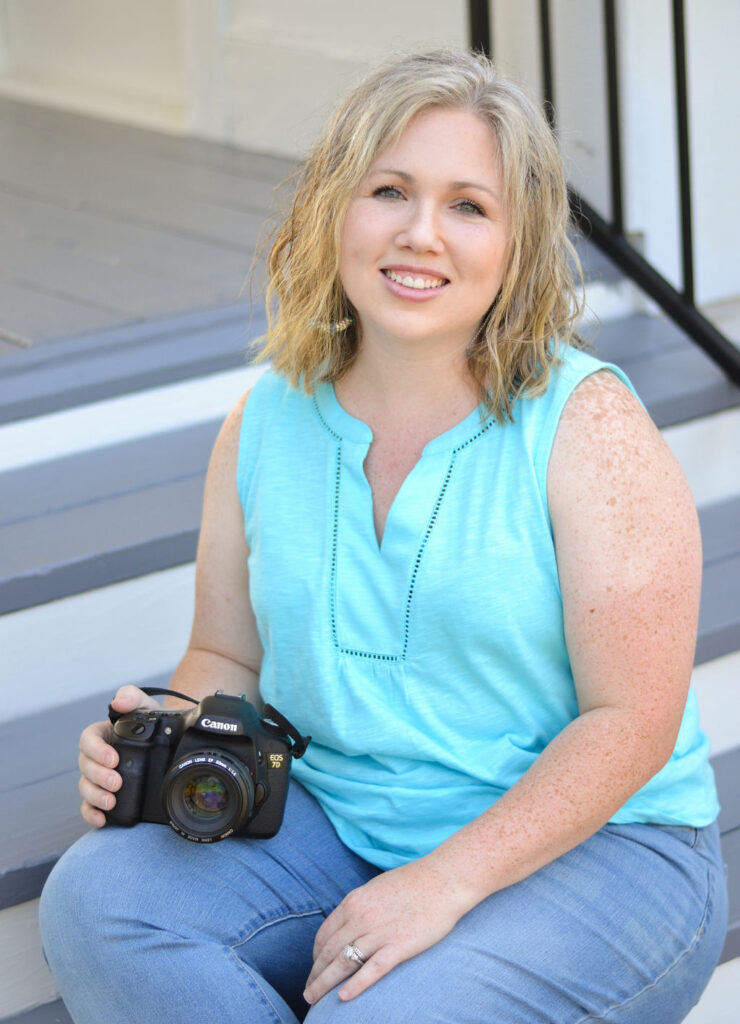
x: 207, y: 795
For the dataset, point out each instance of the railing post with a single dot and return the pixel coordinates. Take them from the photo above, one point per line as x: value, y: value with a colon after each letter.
x: 480, y: 26
x: 548, y: 83
x: 684, y: 155
x: 615, y: 134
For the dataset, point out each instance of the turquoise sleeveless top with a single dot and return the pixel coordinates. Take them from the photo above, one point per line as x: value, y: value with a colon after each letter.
x: 430, y: 670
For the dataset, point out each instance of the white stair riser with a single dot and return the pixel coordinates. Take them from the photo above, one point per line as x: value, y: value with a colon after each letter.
x: 708, y: 450
x: 25, y: 980
x: 126, y: 418
x: 79, y: 646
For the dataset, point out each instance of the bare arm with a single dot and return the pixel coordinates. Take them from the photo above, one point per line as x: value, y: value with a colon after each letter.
x: 629, y: 561
x: 224, y: 652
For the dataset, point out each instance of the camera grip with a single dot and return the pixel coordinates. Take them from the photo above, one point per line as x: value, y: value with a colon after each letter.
x: 132, y: 768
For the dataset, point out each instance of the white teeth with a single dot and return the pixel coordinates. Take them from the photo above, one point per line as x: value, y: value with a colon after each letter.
x: 415, y: 282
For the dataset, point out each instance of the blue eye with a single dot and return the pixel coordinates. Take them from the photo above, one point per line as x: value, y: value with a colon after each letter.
x: 468, y: 206
x: 388, y: 192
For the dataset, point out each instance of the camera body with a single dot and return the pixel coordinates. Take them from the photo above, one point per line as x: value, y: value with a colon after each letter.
x: 213, y: 771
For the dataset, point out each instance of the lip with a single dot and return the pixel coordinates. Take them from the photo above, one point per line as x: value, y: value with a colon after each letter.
x: 404, y: 268
x: 403, y: 291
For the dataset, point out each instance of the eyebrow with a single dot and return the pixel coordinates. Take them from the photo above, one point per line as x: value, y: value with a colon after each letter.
x: 454, y: 185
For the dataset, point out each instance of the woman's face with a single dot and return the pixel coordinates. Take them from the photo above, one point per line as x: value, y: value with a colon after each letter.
x: 424, y: 238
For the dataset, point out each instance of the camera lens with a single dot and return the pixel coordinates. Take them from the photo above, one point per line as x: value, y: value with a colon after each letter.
x: 207, y: 795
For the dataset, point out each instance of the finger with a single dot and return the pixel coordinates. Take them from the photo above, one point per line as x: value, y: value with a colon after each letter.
x: 333, y: 924
x: 129, y: 697
x: 96, y: 796
x: 324, y: 979
x: 377, y: 965
x: 327, y: 951
x: 94, y: 743
x: 99, y: 774
x: 92, y: 815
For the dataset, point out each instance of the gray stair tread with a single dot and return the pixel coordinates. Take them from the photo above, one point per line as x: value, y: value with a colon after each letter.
x: 51, y: 1013
x: 594, y: 264
x: 102, y: 223
x: 720, y: 530
x: 99, y: 517
x: 88, y: 477
x: 727, y: 772
x: 140, y: 533
x: 121, y: 360
x: 674, y: 378
x: 731, y: 855
x: 719, y: 614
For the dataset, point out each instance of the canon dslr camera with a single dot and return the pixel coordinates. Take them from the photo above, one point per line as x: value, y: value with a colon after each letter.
x: 213, y: 771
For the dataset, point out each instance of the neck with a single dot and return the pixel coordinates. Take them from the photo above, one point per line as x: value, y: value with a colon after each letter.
x: 386, y: 390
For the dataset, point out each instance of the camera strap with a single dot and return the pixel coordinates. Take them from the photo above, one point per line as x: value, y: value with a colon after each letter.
x: 158, y: 691
x: 279, y: 724
x: 150, y: 691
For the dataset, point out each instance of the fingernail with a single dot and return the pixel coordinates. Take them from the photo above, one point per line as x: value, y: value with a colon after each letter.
x: 307, y: 997
x: 110, y: 781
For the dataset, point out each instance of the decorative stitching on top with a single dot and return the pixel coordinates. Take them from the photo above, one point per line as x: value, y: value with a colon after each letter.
x: 334, y: 434
x: 417, y: 562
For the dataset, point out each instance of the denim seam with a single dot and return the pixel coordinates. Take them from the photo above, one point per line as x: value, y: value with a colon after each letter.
x: 273, y: 921
x: 250, y: 973
x: 671, y: 967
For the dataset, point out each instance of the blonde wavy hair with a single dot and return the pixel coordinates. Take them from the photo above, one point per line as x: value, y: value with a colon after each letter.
x: 538, y: 304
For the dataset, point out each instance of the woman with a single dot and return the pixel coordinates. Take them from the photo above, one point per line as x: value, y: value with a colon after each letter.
x: 451, y: 546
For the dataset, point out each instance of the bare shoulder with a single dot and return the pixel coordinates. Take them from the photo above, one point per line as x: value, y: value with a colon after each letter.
x: 628, y: 553
x: 226, y: 449
x: 622, y: 512
x: 608, y: 450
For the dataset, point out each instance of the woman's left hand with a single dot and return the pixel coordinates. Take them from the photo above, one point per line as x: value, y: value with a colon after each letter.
x: 391, y: 918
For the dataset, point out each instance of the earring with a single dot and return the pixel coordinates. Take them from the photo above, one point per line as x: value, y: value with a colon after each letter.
x: 334, y: 326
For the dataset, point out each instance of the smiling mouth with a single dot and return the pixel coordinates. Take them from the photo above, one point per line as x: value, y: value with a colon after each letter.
x: 414, y: 281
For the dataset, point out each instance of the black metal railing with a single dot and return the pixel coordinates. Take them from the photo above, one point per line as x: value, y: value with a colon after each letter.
x: 608, y: 234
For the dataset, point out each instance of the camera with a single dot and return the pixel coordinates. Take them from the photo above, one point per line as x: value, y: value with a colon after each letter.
x: 212, y: 771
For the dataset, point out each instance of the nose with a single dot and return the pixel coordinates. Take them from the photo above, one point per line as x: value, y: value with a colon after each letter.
x: 421, y: 230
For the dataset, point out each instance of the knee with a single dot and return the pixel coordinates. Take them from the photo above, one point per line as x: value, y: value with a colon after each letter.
x: 83, y: 898
x: 66, y: 909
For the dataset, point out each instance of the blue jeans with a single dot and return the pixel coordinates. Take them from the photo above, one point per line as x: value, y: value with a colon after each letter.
x: 140, y: 925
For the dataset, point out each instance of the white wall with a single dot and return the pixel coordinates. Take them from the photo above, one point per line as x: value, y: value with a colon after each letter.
x: 261, y: 74
x: 649, y: 124
x: 282, y: 64
x: 713, y: 30
x: 650, y: 154
x: 122, y: 60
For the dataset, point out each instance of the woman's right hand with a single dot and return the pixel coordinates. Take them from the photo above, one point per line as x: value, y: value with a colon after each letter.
x: 98, y: 759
